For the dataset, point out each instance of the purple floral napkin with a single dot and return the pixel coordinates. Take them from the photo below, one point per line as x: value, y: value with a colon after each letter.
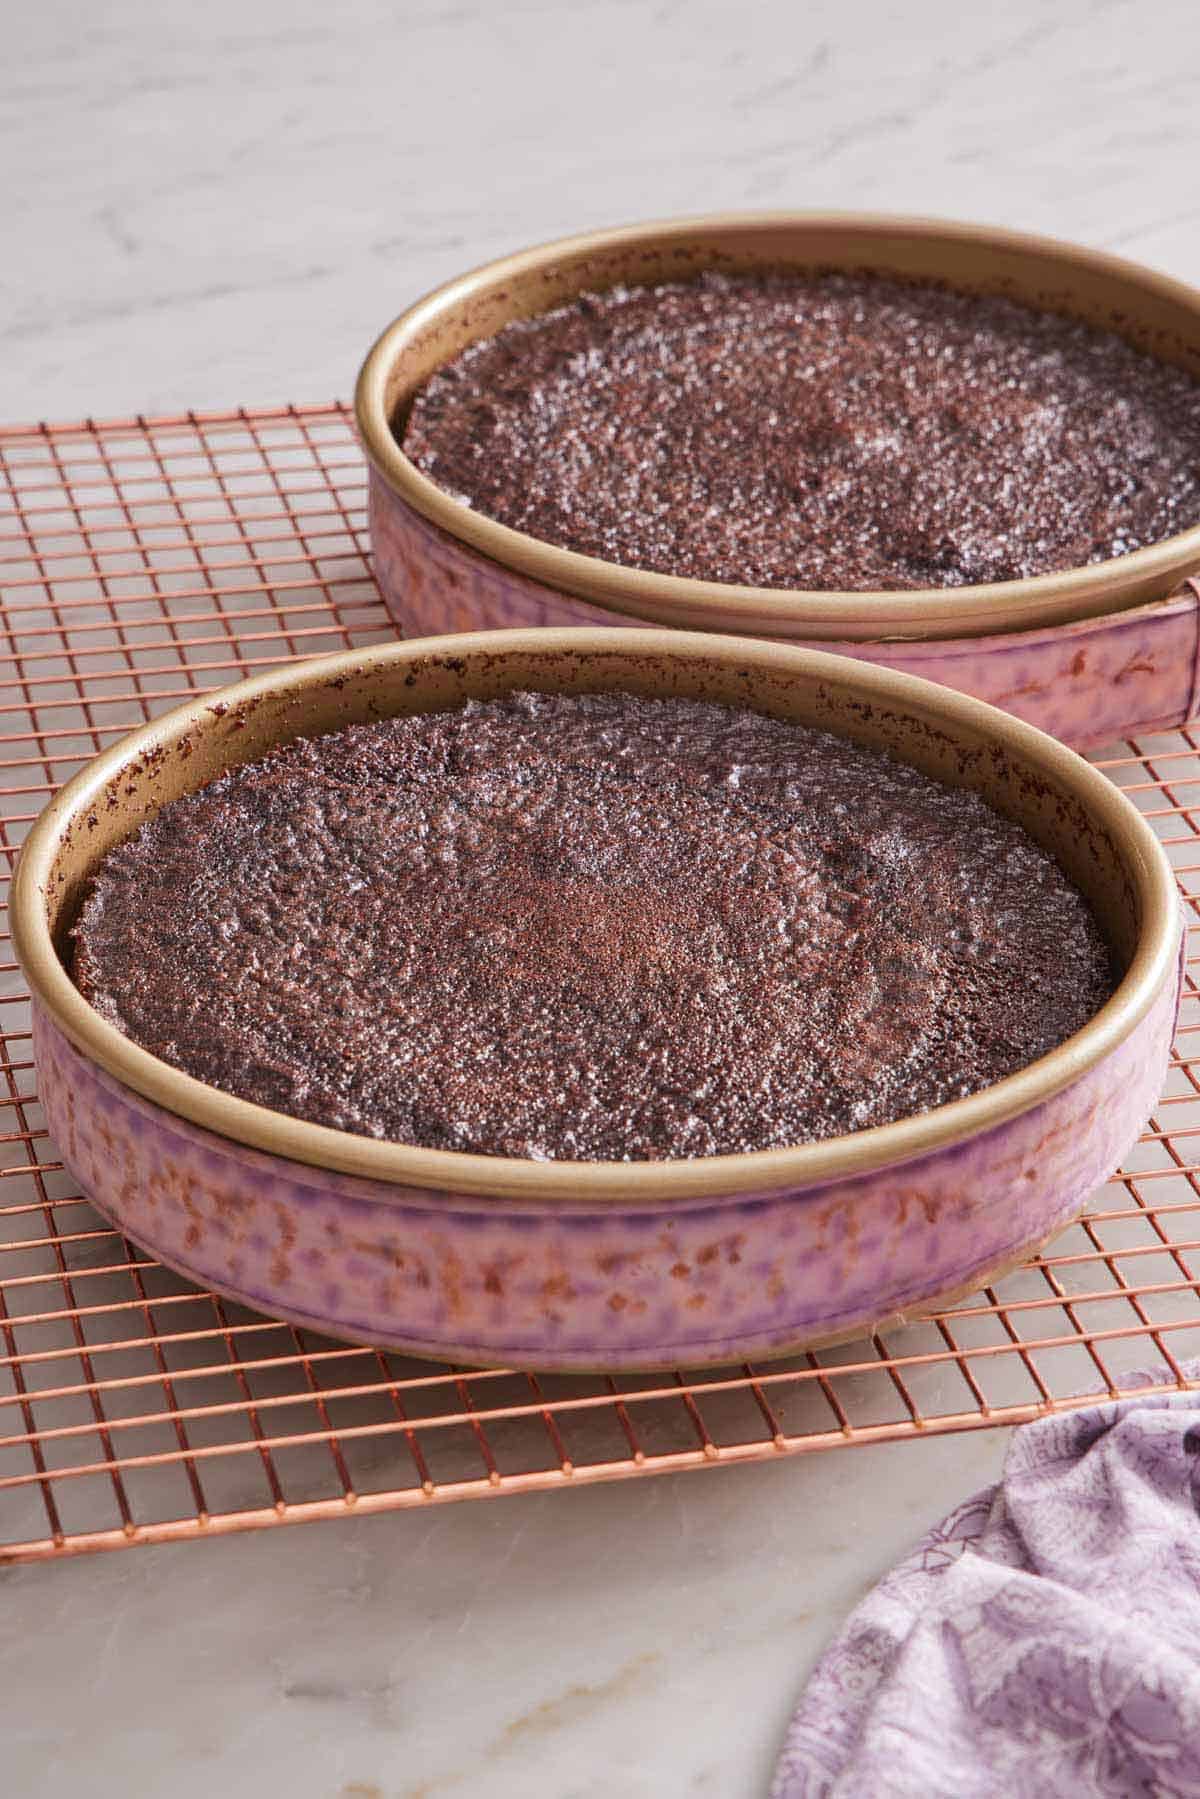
x: 1043, y: 1640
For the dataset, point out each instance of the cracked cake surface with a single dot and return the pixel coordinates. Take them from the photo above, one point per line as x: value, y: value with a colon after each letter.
x: 597, y: 927
x: 820, y: 432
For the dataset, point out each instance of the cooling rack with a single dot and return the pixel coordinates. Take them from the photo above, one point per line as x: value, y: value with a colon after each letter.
x: 145, y: 560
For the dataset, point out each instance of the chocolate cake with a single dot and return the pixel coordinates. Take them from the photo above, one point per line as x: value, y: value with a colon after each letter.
x: 589, y: 928
x: 834, y: 431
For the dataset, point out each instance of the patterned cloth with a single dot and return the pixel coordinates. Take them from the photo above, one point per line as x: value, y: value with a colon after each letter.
x: 1043, y: 1640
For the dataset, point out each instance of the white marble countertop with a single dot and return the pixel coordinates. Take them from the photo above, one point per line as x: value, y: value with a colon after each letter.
x: 221, y: 203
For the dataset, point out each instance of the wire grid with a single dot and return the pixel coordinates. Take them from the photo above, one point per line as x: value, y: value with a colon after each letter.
x: 146, y: 560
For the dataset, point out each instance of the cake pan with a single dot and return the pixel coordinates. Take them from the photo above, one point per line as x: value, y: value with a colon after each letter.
x: 444, y: 566
x: 486, y: 1259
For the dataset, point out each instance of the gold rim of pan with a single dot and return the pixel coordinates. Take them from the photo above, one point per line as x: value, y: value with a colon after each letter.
x: 291, y: 694
x: 1158, y: 314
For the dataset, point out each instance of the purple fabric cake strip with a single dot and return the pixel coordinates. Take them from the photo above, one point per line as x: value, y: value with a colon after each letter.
x: 1041, y: 1641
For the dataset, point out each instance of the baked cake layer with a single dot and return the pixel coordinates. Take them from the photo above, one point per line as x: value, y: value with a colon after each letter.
x: 816, y: 432
x: 589, y: 928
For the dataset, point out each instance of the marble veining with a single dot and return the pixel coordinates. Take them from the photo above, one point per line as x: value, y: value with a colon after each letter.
x: 254, y: 192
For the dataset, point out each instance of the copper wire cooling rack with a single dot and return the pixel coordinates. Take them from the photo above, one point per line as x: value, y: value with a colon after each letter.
x: 145, y: 560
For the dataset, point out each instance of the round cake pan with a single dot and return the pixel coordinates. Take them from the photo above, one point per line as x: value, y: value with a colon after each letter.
x: 599, y: 1265
x: 442, y: 565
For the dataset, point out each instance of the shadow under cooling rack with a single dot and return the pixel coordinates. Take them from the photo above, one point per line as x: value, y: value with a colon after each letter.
x: 143, y: 561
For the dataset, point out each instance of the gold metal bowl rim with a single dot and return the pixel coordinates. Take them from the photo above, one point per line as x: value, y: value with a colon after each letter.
x: 608, y: 1183
x: 1056, y: 597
